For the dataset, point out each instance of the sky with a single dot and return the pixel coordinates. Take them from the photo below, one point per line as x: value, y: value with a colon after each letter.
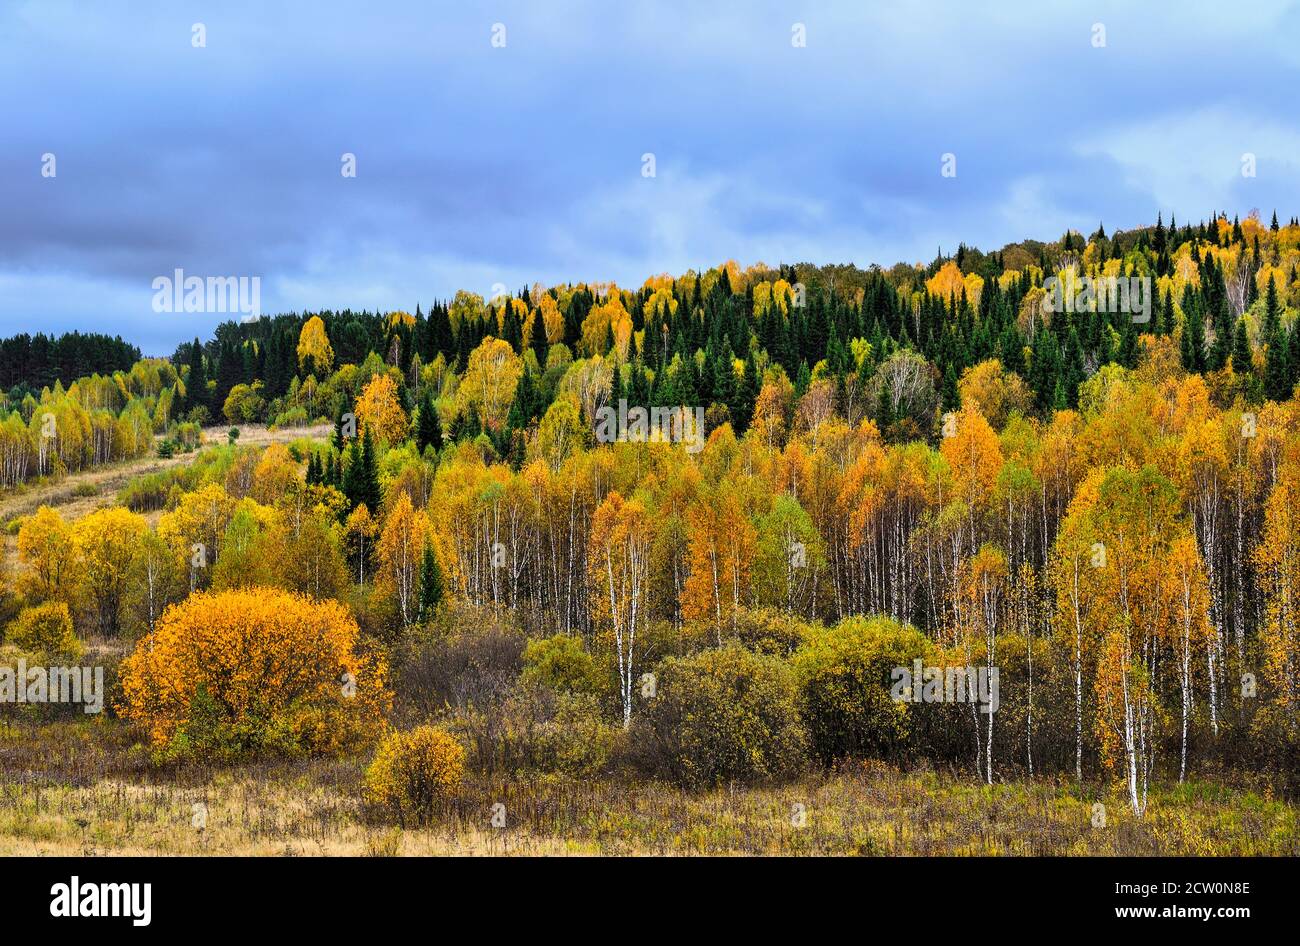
x: 502, y: 144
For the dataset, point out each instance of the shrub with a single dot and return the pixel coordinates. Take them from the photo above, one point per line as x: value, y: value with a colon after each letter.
x: 239, y: 672
x: 562, y: 664
x: 472, y: 657
x: 294, y: 417
x: 46, y: 629
x: 413, y: 772
x: 722, y: 715
x: 844, y: 673
x: 188, y: 435
x: 534, y: 729
x: 764, y: 631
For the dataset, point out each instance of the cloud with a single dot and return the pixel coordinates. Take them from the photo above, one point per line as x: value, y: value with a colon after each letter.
x: 478, y: 165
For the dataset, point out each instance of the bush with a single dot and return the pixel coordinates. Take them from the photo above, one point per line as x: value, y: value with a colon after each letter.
x: 413, y: 772
x: 722, y: 715
x: 562, y: 664
x: 764, y: 631
x: 46, y: 630
x: 534, y: 729
x: 472, y: 657
x: 256, y: 670
x: 294, y: 417
x: 189, y: 435
x: 844, y: 674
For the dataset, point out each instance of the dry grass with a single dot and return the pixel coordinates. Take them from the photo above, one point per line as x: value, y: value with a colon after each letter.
x: 83, y: 788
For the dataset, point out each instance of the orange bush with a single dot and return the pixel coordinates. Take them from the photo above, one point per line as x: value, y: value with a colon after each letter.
x: 255, y: 669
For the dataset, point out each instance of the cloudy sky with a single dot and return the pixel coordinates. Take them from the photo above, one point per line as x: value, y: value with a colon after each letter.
x: 479, y: 164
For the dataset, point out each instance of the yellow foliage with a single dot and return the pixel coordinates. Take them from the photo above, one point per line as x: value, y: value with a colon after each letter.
x: 379, y: 410
x: 46, y: 548
x: 314, y: 344
x: 46, y: 630
x: 273, y: 668
x: 108, y: 542
x: 413, y: 771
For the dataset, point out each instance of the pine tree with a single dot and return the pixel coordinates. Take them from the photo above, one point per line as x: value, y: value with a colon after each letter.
x: 522, y: 408
x: 196, y: 385
x: 1241, y: 361
x: 368, y: 485
x: 338, y: 438
x: 430, y: 583
x: 1193, y: 342
x: 538, y: 340
x: 353, y: 476
x: 428, y: 432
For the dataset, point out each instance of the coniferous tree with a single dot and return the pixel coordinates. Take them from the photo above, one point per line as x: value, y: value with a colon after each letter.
x: 428, y: 431
x: 368, y: 484
x: 431, y: 589
x: 1241, y: 361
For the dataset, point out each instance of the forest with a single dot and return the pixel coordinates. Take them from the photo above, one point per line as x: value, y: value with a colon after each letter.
x: 440, y: 587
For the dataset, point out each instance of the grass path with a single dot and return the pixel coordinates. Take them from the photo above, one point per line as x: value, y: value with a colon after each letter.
x: 80, y: 494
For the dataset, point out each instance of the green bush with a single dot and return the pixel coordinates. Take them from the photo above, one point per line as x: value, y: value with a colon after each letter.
x: 561, y: 663
x: 721, y: 715
x: 294, y: 417
x: 46, y: 629
x: 536, y: 730
x: 844, y: 675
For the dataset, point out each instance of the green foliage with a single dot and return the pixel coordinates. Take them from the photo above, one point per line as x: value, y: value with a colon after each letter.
x: 562, y: 664
x: 844, y: 673
x: 719, y: 716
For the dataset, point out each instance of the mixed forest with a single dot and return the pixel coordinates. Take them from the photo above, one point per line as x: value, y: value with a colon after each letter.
x: 446, y: 576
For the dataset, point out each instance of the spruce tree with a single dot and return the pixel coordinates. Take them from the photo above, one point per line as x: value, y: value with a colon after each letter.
x: 369, y: 481
x: 428, y: 431
x: 430, y: 583
x: 1241, y: 361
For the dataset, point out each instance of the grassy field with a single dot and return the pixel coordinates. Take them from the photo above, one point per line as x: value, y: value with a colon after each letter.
x: 79, y: 494
x: 84, y: 787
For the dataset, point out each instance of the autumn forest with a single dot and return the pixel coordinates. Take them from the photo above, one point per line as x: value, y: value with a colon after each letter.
x: 439, y: 580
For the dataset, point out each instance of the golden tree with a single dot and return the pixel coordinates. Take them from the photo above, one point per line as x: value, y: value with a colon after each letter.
x: 107, y: 543
x: 621, y: 537
x: 401, y: 545
x: 379, y: 410
x: 489, y: 382
x: 46, y: 548
x: 1278, y: 559
x: 315, y: 354
x: 722, y: 545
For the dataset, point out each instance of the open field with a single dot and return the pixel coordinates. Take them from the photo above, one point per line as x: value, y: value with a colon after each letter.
x: 83, y: 492
x: 82, y: 788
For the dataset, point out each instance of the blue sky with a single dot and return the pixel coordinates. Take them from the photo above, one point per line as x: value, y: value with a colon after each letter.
x: 479, y: 165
